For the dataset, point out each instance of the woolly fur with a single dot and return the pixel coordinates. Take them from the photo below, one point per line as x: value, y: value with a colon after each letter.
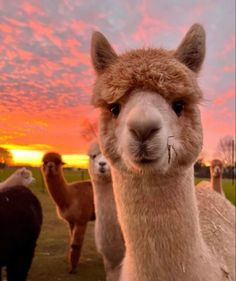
x: 108, y: 236
x: 74, y: 203
x: 171, y: 230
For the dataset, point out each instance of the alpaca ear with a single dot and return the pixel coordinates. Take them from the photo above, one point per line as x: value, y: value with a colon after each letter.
x: 102, y: 53
x: 191, y: 51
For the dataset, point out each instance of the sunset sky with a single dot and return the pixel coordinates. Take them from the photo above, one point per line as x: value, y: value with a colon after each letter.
x: 46, y: 75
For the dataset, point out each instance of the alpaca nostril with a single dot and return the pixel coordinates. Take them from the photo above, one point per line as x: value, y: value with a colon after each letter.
x: 153, y: 132
x: 144, y: 133
x: 134, y: 133
x: 102, y: 164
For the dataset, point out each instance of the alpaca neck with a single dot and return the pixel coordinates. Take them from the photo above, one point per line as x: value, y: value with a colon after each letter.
x: 159, y: 219
x: 216, y: 183
x: 57, y: 187
x: 12, y: 180
x: 103, y: 195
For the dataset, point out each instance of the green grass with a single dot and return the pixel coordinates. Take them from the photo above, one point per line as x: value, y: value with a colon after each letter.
x: 50, y: 261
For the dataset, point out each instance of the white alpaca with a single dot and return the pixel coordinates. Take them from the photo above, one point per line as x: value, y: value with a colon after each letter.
x: 108, y: 236
x: 216, y: 172
x: 151, y: 133
x: 21, y: 176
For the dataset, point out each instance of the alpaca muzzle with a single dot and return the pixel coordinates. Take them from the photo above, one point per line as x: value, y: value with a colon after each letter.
x: 216, y: 171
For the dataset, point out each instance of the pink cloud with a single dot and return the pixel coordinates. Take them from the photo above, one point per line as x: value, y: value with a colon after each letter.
x: 229, y: 68
x: 200, y: 9
x: 228, y: 46
x: 6, y: 28
x: 41, y: 30
x: 215, y: 128
x: 225, y: 96
x: 148, y: 25
x: 32, y: 8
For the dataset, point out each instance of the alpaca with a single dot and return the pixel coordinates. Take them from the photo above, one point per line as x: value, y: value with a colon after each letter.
x: 20, y: 224
x: 74, y: 203
x: 108, y: 236
x: 216, y: 172
x: 151, y: 134
x: 21, y: 176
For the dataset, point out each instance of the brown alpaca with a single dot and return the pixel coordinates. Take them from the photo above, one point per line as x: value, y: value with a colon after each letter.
x: 74, y: 203
x: 216, y: 172
x: 151, y: 133
x: 108, y: 236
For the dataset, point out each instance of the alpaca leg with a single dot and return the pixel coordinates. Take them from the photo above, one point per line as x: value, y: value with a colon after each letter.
x: 18, y: 268
x: 71, y: 226
x: 76, y: 245
x: 112, y: 272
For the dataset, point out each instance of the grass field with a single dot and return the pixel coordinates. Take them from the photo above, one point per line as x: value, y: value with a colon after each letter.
x: 50, y: 262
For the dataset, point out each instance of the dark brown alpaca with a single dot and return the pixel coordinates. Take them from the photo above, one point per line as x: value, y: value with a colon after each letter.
x: 20, y: 223
x: 74, y: 203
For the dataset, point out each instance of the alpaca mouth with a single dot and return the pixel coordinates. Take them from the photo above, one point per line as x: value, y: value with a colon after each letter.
x: 145, y: 160
x: 102, y: 170
x: 140, y: 154
x: 50, y: 170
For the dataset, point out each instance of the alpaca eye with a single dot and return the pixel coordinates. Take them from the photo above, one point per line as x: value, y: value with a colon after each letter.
x: 115, y: 109
x: 178, y: 107
x: 93, y: 156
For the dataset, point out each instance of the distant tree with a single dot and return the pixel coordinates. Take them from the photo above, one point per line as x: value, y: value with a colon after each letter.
x: 200, y: 169
x: 226, y: 150
x: 6, y: 158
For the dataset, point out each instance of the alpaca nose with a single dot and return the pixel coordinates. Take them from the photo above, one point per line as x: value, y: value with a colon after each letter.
x: 217, y: 169
x: 50, y: 165
x: 144, y: 123
x: 144, y: 126
x: 102, y: 164
x: 144, y: 133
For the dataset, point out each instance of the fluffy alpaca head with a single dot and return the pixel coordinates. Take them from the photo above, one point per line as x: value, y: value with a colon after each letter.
x: 52, y: 163
x: 150, y: 121
x: 23, y: 176
x: 99, y: 168
x: 216, y: 168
